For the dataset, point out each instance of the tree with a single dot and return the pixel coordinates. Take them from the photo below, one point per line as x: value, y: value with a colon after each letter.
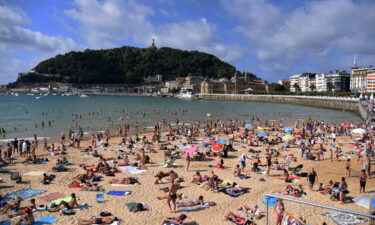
x: 275, y: 87
x: 329, y: 86
x: 296, y: 87
x: 312, y: 87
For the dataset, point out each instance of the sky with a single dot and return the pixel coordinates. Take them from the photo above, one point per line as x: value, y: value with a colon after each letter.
x: 270, y: 38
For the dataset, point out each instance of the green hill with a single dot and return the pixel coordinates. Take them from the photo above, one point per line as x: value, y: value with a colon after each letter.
x: 127, y: 65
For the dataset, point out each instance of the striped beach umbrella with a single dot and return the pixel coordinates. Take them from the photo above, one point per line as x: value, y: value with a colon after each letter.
x: 217, y: 147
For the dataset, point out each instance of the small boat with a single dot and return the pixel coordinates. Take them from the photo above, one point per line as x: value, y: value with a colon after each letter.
x: 84, y: 96
x: 15, y: 94
x: 38, y: 97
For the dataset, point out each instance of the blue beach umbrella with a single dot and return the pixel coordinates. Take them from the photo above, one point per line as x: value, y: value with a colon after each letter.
x: 262, y: 134
x: 287, y: 130
x: 248, y: 125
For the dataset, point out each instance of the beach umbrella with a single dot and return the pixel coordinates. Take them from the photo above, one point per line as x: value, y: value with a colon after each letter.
x: 359, y: 131
x: 248, y: 125
x: 287, y: 130
x: 221, y: 141
x: 288, y: 137
x: 191, y: 151
x: 217, y: 147
x: 347, y: 125
x: 367, y: 201
x: 262, y: 134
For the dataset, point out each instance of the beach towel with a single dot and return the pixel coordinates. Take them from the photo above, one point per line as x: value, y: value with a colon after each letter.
x: 192, y: 208
x: 230, y: 219
x: 243, y: 177
x: 24, y: 193
x: 52, y: 196
x: 129, y: 169
x: 119, y: 193
x: 39, y: 221
x: 45, y: 220
x: 123, y: 185
x: 35, y: 173
x: 344, y: 218
x: 65, y: 199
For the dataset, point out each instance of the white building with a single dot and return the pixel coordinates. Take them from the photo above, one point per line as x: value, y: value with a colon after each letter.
x: 294, y: 79
x: 321, y: 82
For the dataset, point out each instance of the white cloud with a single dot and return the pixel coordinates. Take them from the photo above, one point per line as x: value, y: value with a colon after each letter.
x: 323, y: 33
x: 107, y: 23
x: 13, y: 35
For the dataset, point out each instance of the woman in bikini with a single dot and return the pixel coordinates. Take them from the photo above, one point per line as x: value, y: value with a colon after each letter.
x: 279, y: 210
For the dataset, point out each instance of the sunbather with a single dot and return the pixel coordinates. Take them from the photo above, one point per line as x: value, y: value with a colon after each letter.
x: 237, y: 219
x: 104, y: 220
x: 63, y: 204
x: 124, y: 180
x: 178, y: 220
x: 11, y: 206
x: 253, y: 213
x: 289, y: 190
x: 198, y: 201
x: 27, y: 217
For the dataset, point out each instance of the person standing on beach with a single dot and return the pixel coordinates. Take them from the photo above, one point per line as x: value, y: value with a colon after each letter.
x: 362, y: 182
x: 62, y: 135
x: 172, y: 195
x: 187, y: 162
x: 347, y: 167
x: 311, y: 178
x: 279, y: 210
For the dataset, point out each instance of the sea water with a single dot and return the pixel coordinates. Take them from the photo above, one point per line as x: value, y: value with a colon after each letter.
x: 22, y: 116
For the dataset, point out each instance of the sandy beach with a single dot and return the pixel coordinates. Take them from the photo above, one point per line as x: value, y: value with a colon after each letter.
x: 147, y: 191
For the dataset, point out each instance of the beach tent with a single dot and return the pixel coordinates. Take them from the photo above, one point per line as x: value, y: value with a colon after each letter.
x: 262, y: 134
x: 359, y: 131
x: 191, y: 151
x: 217, y: 147
x: 367, y: 201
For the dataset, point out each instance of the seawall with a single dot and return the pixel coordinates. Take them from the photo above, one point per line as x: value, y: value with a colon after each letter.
x: 341, y: 103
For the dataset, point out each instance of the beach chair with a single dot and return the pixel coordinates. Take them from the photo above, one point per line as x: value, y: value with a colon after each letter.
x: 99, y: 198
x: 16, y: 176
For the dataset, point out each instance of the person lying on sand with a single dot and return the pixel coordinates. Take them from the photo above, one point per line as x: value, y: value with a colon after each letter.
x: 27, y: 217
x: 285, y: 176
x: 104, y: 220
x: 253, y: 213
x: 63, y: 204
x: 88, y: 175
x: 21, y: 212
x: 11, y: 206
x: 124, y: 180
x: 198, y: 201
x: 178, y: 220
x: 237, y: 219
x: 289, y: 190
x: 47, y: 179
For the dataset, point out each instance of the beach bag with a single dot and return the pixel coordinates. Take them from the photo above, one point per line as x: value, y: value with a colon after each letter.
x: 104, y: 214
x: 67, y: 212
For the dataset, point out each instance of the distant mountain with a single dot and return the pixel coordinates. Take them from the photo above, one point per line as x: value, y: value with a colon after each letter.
x: 127, y: 65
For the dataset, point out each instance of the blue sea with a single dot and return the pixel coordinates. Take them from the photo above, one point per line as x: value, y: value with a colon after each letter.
x: 22, y: 116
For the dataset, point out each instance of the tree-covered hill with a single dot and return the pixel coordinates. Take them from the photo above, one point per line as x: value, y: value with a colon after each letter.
x: 128, y: 65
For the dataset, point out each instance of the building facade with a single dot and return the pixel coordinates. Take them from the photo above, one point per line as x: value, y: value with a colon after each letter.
x: 358, y: 79
x: 370, y: 80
